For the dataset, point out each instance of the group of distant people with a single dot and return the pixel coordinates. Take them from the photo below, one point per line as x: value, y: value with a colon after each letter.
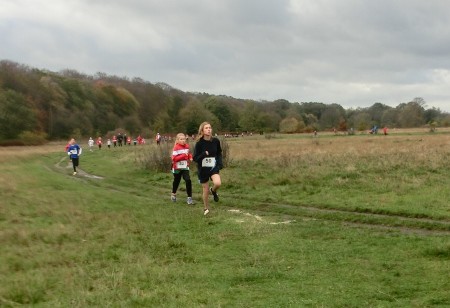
x: 167, y: 138
x: 74, y: 150
x: 373, y: 131
x: 230, y: 135
x: 115, y: 141
x: 207, y: 154
x: 123, y: 139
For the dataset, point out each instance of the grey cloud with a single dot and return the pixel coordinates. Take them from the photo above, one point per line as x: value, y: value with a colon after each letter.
x: 350, y: 52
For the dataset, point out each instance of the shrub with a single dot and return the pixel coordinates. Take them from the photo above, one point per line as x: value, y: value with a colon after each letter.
x: 33, y: 138
x: 11, y: 142
x: 156, y: 158
x: 225, y: 151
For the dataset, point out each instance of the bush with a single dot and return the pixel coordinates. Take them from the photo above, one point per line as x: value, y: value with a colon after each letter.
x: 33, y: 138
x: 11, y: 142
x: 225, y: 151
x: 156, y: 158
x: 26, y: 138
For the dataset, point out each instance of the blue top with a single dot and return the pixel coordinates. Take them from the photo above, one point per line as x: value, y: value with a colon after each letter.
x: 74, y: 151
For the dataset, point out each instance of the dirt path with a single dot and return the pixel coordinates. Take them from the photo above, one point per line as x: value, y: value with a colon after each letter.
x: 382, y: 222
x: 64, y: 164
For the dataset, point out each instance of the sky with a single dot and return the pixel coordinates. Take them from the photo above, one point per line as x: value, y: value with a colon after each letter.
x: 350, y: 52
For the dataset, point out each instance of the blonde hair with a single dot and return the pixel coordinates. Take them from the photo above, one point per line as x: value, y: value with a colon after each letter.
x: 179, y: 135
x: 200, y: 130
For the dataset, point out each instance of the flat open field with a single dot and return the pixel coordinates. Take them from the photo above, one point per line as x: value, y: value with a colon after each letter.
x: 332, y: 221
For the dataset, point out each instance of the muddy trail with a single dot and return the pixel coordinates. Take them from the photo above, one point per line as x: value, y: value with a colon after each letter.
x: 291, y: 213
x: 64, y: 165
x: 383, y: 222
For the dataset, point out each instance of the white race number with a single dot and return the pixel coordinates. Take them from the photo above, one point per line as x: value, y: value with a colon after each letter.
x: 209, y: 162
x: 182, y: 164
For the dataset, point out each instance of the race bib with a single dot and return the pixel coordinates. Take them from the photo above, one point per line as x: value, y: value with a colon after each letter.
x: 74, y: 152
x: 209, y: 162
x: 182, y: 164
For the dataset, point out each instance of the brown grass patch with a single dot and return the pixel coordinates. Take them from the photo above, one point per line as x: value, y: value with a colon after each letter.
x: 17, y: 152
x: 332, y: 147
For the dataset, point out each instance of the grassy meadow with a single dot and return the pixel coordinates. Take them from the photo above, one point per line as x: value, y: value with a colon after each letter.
x: 332, y: 221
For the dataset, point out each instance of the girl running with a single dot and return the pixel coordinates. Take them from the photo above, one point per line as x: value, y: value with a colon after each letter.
x: 208, y: 156
x: 181, y: 158
x: 99, y: 143
x: 74, y: 152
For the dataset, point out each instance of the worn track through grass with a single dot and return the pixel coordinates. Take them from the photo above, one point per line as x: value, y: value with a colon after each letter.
x: 291, y: 213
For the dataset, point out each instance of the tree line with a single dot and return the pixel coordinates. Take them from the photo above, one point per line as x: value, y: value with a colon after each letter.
x: 49, y: 105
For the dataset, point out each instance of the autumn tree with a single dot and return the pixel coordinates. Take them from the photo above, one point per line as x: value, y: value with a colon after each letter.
x: 361, y: 120
x: 251, y: 118
x: 411, y: 114
x: 16, y: 115
x: 289, y: 125
x: 193, y: 114
x: 223, y: 112
x: 332, y: 116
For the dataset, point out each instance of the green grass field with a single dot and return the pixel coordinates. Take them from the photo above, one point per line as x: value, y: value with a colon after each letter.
x: 336, y: 221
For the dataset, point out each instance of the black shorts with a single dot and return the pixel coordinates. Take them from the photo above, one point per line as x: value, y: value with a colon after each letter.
x: 75, y: 161
x: 204, y: 177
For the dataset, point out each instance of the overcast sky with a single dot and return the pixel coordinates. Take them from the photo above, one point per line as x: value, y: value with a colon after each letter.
x: 350, y: 52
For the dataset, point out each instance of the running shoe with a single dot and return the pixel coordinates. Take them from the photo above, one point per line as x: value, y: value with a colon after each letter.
x: 190, y: 201
x: 75, y: 173
x: 215, y: 195
x: 173, y: 198
x: 205, y: 212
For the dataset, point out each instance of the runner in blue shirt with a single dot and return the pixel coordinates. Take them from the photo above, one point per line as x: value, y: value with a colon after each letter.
x: 74, y: 152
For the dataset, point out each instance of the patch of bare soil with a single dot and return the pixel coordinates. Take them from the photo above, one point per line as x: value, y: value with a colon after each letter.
x: 356, y: 219
x: 64, y: 164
